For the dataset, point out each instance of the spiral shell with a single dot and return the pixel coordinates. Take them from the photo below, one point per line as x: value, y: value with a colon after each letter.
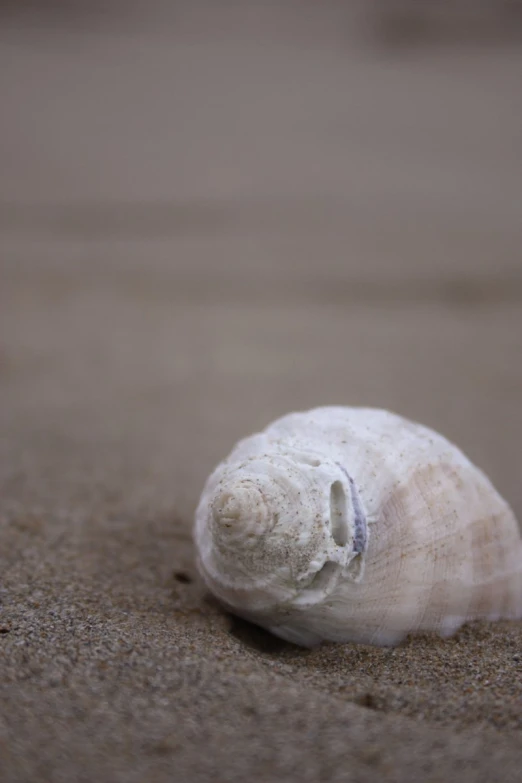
x: 354, y: 524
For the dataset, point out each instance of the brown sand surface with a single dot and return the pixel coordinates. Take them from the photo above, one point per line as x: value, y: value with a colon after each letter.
x: 205, y: 224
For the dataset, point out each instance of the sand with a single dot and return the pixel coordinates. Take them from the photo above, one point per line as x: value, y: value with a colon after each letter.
x: 200, y: 232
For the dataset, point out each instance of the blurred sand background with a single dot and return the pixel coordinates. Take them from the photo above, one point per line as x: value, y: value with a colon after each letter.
x: 212, y: 213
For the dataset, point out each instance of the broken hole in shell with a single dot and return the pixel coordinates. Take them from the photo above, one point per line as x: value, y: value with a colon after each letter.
x: 317, y: 588
x: 338, y: 514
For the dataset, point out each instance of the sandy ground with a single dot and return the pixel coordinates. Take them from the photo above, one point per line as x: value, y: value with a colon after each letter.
x: 208, y: 219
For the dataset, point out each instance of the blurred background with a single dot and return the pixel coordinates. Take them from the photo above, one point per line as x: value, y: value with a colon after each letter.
x: 212, y: 213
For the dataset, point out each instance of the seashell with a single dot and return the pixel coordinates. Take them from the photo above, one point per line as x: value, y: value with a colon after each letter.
x: 355, y: 524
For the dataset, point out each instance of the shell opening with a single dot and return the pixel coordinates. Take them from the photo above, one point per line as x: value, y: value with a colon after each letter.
x: 338, y: 514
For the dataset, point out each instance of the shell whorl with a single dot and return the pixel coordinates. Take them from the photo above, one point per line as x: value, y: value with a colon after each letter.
x: 241, y: 513
x: 276, y: 527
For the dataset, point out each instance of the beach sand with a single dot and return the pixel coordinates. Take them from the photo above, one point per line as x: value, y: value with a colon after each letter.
x: 205, y: 226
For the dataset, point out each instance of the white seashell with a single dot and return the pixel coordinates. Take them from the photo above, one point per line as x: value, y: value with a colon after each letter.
x: 354, y: 524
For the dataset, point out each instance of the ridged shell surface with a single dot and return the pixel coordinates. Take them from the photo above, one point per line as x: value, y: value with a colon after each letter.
x: 355, y: 524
